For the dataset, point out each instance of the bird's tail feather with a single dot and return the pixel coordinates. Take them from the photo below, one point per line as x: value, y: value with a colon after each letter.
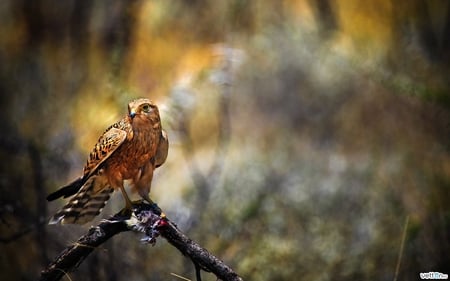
x: 86, y: 204
x: 67, y: 190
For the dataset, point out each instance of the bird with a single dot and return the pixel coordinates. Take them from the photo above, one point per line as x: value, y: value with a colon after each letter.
x: 130, y: 149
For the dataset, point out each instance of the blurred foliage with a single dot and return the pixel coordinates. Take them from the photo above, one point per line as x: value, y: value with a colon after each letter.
x: 303, y: 133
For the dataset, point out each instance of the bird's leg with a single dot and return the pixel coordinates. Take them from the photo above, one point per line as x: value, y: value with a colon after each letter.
x: 143, y: 185
x: 147, y: 198
x: 128, y: 205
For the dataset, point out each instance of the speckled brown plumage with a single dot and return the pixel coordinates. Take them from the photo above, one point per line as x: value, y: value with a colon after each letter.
x: 128, y: 150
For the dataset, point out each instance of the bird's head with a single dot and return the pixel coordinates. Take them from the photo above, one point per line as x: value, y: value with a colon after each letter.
x: 143, y: 109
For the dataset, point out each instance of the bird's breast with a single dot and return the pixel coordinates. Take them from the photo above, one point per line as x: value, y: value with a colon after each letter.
x: 133, y: 154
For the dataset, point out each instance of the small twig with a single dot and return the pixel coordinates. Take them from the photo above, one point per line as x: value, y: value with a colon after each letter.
x: 179, y: 276
x: 198, y: 274
x: 402, y: 244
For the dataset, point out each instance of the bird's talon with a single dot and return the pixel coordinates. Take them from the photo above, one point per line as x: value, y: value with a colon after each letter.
x: 125, y: 212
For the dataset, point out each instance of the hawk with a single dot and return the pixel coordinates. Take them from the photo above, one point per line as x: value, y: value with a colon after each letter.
x: 128, y: 150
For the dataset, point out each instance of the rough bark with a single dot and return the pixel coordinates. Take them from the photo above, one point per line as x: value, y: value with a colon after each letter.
x: 145, y: 218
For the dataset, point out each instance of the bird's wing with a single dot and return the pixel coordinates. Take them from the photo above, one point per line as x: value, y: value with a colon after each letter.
x: 162, y: 150
x: 111, y: 139
x: 109, y: 142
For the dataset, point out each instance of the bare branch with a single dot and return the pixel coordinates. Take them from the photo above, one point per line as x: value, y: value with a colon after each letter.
x: 145, y: 218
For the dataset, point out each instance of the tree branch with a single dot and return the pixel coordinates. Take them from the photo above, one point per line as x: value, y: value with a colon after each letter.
x: 145, y: 218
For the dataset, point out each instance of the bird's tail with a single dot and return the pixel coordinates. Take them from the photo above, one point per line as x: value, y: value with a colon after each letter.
x: 68, y: 190
x: 86, y: 204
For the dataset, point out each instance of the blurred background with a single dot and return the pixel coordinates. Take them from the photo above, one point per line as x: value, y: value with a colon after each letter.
x: 308, y: 138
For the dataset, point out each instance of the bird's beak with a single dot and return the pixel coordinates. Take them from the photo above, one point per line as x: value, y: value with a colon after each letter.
x: 132, y: 114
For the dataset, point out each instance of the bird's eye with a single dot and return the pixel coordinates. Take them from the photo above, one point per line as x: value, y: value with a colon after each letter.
x: 146, y: 108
